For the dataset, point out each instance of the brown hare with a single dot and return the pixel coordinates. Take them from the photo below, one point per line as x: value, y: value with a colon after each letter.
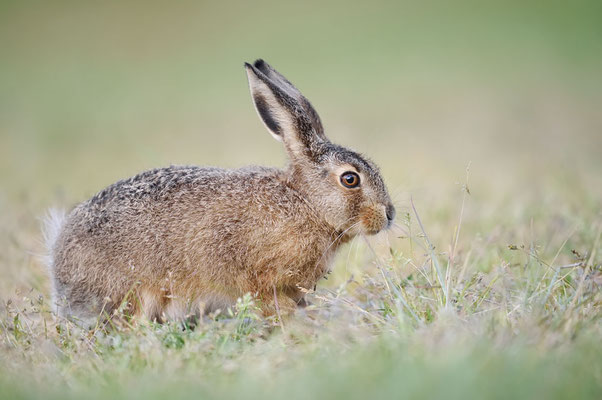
x: 184, y: 240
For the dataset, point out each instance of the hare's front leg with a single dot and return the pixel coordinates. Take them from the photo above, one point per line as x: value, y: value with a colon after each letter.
x: 278, y: 302
x: 297, y: 294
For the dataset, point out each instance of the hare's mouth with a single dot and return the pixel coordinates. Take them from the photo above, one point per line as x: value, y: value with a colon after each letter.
x: 374, y: 219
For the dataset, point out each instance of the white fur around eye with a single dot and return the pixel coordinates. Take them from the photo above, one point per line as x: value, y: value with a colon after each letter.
x: 341, y: 169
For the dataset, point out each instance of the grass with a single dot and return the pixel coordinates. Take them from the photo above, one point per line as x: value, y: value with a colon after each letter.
x: 485, y: 121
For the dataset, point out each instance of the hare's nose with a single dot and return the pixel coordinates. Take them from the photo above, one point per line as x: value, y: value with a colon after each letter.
x: 390, y: 213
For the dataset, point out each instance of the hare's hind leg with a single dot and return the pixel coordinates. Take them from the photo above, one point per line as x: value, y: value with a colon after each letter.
x: 82, y: 308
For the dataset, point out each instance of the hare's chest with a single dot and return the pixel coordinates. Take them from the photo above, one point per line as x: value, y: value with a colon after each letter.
x: 309, y: 264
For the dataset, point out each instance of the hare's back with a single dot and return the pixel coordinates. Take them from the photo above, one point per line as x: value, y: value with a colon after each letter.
x: 174, y: 192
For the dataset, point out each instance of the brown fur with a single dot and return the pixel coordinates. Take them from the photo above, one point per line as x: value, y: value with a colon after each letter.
x: 181, y: 241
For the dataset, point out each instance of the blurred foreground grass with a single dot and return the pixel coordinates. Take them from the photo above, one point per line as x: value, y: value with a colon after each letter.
x: 94, y: 92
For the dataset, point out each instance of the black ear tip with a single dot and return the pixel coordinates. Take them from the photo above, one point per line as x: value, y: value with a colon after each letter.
x: 259, y: 63
x: 247, y: 65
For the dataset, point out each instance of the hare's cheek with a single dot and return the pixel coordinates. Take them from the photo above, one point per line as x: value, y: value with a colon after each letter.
x: 373, y: 219
x: 337, y: 219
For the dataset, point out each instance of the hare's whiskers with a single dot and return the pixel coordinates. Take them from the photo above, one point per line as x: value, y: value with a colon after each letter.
x: 400, y: 228
x: 333, y: 242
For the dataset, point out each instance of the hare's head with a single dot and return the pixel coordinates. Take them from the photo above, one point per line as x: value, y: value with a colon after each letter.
x: 344, y: 187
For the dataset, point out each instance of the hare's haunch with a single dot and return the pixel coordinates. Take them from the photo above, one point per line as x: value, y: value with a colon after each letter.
x: 179, y: 241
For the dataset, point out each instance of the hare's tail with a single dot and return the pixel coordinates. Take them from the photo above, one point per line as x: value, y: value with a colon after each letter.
x: 51, y: 228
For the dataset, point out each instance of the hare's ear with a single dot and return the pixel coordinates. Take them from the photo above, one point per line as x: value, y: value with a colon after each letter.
x: 288, y: 115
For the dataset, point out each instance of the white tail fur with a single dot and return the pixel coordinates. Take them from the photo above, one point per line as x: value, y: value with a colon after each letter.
x: 51, y: 228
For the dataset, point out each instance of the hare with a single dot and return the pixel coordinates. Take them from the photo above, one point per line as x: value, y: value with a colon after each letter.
x: 184, y: 240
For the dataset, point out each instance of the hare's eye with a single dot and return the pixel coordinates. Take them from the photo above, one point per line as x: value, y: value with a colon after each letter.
x: 350, y: 179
